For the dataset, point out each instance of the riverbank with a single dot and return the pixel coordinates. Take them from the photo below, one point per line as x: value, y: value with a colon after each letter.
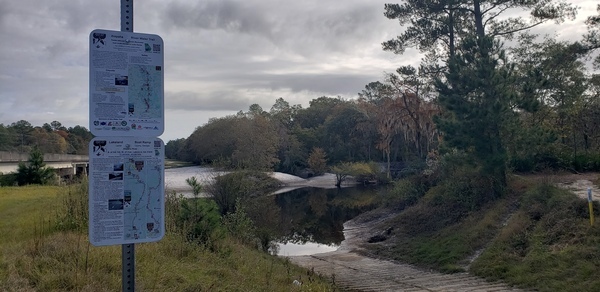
x: 175, y: 180
x: 170, y: 163
x: 291, y: 182
x: 537, y: 237
x: 354, y: 271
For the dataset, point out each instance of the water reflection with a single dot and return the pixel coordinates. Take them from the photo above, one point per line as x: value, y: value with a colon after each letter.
x: 307, y: 248
x: 311, y: 219
x: 302, y: 221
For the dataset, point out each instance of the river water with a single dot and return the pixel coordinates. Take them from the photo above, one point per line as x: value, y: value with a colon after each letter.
x: 303, y: 221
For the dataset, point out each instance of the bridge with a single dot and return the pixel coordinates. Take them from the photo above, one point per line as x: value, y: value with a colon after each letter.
x: 66, y: 165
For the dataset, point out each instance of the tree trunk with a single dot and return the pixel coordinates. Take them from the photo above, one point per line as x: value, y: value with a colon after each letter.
x: 451, y: 33
x: 388, y: 163
x: 478, y: 19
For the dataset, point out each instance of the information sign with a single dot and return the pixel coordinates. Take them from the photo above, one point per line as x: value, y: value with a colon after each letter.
x: 126, y: 84
x: 126, y: 194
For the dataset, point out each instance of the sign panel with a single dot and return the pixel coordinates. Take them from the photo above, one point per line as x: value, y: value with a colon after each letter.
x: 126, y: 84
x: 127, y: 192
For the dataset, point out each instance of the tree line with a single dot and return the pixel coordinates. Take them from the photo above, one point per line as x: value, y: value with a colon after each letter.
x: 23, y: 137
x: 334, y: 129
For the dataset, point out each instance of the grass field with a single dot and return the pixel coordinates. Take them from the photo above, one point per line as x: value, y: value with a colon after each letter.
x: 38, y: 253
x: 24, y: 210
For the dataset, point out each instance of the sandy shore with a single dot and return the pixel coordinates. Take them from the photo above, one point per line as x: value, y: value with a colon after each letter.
x: 288, y: 182
x: 292, y: 182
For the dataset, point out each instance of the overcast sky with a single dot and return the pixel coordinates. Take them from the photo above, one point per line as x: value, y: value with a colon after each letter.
x: 221, y: 56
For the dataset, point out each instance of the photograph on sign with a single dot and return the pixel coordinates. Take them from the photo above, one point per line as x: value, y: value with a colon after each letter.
x: 126, y: 190
x: 126, y: 84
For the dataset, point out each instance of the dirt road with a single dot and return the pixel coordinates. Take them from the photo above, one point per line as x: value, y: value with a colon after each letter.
x: 579, y: 184
x: 354, y: 272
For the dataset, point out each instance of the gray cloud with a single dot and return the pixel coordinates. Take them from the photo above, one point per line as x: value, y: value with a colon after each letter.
x: 225, y: 15
x: 208, y: 101
x: 330, y: 84
x: 305, y: 27
x: 220, y: 56
x: 267, y: 88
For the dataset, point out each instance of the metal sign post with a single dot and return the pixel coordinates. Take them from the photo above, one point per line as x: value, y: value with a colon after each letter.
x: 126, y: 198
x: 127, y: 250
x: 128, y: 266
x: 127, y: 15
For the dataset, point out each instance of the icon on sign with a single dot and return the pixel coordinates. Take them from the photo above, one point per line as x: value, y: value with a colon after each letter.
x: 98, y: 39
x: 99, y: 147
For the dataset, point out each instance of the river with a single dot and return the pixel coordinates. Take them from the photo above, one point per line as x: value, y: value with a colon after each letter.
x: 304, y: 220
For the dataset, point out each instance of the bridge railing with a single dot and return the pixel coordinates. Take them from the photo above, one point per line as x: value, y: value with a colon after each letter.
x: 8, y: 157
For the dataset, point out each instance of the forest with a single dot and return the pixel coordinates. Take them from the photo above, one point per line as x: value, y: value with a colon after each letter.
x: 487, y: 88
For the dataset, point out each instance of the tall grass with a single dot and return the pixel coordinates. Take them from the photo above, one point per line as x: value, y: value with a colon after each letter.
x: 432, y: 237
x: 536, y: 236
x: 51, y: 252
x: 548, y: 244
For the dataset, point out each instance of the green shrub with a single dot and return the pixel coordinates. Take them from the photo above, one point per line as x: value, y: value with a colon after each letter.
x: 586, y: 162
x: 362, y: 172
x: 9, y: 179
x: 227, y: 189
x: 536, y: 162
x: 465, y: 191
x: 367, y: 172
x: 240, y: 226
x: 406, y: 192
x: 446, y: 203
x: 200, y: 220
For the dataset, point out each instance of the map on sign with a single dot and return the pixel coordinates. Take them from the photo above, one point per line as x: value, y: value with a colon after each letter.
x: 126, y: 193
x: 126, y: 84
x: 142, y: 199
x: 145, y: 96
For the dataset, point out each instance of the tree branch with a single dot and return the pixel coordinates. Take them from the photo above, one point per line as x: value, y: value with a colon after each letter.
x: 495, y: 15
x: 518, y: 29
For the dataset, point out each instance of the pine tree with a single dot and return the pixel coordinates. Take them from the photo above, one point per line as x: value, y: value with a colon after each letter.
x: 35, y: 171
x: 476, y: 101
